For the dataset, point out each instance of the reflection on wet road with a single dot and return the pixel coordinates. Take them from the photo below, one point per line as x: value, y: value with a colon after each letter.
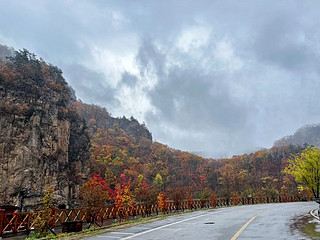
x: 263, y: 221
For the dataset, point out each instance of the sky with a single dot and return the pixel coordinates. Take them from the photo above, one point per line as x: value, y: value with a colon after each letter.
x: 216, y: 78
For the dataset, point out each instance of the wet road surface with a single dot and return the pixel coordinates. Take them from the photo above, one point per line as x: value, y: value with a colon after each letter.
x: 263, y: 221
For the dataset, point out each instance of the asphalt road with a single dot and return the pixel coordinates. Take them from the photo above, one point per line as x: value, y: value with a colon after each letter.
x: 263, y: 221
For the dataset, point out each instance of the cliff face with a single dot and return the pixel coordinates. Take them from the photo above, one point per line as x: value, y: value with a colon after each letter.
x: 43, y: 141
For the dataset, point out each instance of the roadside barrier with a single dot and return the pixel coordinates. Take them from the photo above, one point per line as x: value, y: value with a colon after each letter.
x: 19, y: 222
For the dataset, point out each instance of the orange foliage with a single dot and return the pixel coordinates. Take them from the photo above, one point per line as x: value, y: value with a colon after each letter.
x: 163, y: 202
x: 235, y: 198
x: 123, y: 196
x: 213, y: 199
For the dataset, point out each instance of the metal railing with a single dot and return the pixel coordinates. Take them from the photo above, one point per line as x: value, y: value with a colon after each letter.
x: 16, y: 222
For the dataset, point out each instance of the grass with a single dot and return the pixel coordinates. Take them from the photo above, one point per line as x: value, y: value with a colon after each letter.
x: 310, y: 229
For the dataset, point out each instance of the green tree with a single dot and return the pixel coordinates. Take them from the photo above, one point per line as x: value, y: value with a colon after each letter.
x: 157, y: 181
x: 139, y: 180
x: 305, y: 168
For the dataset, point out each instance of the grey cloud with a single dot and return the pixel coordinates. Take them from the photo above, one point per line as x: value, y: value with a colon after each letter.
x: 199, y: 104
x: 190, y: 100
x: 278, y: 43
x: 90, y: 84
x: 148, y: 58
x: 129, y: 79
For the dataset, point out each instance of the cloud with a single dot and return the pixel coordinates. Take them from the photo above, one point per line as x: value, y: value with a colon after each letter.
x: 90, y: 84
x: 221, y: 77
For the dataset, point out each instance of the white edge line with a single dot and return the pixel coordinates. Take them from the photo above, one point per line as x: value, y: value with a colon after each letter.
x: 124, y: 233
x: 170, y: 224
x: 312, y: 213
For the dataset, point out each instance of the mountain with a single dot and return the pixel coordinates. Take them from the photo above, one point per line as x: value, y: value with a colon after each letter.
x: 43, y: 141
x: 309, y: 134
x: 48, y: 138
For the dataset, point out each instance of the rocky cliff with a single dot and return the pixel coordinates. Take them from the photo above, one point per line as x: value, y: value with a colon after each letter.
x: 43, y: 141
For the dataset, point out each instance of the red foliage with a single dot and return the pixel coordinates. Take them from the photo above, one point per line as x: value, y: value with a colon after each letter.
x: 95, y: 192
x: 123, y: 195
x: 213, y: 200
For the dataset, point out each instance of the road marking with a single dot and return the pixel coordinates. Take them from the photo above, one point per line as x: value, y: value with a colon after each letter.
x: 170, y: 224
x: 243, y: 228
x: 171, y: 229
x: 122, y: 233
x: 141, y: 228
x: 108, y: 237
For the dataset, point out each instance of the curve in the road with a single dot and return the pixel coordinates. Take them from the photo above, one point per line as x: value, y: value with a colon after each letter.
x: 263, y: 221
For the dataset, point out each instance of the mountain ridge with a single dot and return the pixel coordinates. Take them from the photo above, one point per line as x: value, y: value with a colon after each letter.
x: 308, y: 134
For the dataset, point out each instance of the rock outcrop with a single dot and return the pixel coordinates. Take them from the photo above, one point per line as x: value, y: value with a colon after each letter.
x: 43, y: 141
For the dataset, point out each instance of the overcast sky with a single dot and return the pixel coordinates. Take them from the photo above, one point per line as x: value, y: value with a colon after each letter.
x: 217, y: 77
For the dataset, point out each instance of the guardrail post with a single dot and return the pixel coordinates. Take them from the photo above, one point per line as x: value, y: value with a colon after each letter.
x: 15, y: 225
x: 2, y: 214
x: 28, y: 223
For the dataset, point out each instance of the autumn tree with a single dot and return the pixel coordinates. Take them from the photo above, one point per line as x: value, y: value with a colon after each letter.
x: 45, y: 219
x: 163, y: 202
x: 227, y: 179
x: 205, y: 196
x: 305, y: 168
x: 235, y: 198
x: 177, y: 195
x: 124, y: 198
x: 95, y: 192
x: 145, y: 193
x: 157, y: 181
x: 270, y: 186
x: 213, y: 199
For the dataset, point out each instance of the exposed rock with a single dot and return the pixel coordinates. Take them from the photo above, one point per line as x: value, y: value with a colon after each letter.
x: 43, y: 141
x: 43, y: 136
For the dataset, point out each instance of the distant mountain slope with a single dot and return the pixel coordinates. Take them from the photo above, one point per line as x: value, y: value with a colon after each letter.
x: 102, y: 119
x: 6, y: 51
x: 309, y: 134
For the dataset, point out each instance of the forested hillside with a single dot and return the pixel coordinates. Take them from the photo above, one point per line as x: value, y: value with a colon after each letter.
x: 178, y: 174
x: 48, y: 138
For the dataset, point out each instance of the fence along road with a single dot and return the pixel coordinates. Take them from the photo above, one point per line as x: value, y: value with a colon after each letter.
x: 23, y: 222
x: 263, y: 221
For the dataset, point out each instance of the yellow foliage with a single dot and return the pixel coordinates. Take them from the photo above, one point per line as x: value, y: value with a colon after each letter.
x: 305, y: 168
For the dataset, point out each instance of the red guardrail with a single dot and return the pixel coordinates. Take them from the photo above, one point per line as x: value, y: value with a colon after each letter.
x: 24, y: 221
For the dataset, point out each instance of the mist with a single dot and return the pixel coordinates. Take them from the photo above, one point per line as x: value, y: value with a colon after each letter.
x: 213, y: 77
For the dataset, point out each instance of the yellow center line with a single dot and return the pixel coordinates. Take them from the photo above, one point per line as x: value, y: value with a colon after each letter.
x: 243, y: 228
